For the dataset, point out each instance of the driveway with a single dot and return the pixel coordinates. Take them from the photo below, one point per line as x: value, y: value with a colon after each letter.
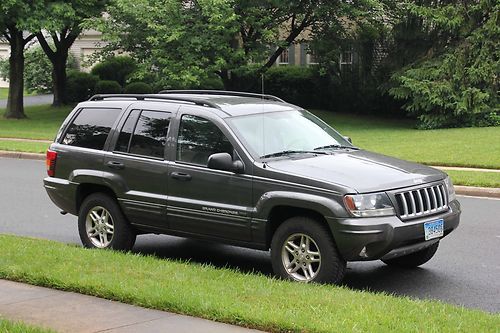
x: 465, y: 271
x: 31, y: 100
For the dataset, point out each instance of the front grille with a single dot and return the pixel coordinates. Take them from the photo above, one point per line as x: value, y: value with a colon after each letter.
x: 421, y: 202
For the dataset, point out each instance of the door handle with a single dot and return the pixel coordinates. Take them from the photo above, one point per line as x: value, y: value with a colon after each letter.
x: 115, y: 165
x: 180, y: 176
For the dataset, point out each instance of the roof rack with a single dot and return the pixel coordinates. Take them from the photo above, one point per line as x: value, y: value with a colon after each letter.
x: 223, y: 92
x: 142, y: 97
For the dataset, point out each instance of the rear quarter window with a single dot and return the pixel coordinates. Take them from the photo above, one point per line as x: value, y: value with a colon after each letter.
x: 91, y: 128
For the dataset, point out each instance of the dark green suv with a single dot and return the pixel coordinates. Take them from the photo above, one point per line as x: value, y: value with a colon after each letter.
x: 248, y: 170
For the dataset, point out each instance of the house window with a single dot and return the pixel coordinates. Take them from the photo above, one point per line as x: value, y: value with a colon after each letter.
x: 346, y: 58
x: 311, y: 58
x: 284, y: 58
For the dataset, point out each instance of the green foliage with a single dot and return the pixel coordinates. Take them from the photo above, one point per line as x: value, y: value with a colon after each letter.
x: 115, y: 69
x: 107, y: 87
x: 138, y: 88
x: 37, y: 70
x: 183, y: 43
x: 80, y: 86
x: 455, y: 83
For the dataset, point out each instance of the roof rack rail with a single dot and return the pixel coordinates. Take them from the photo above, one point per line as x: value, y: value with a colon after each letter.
x: 223, y: 92
x: 142, y: 97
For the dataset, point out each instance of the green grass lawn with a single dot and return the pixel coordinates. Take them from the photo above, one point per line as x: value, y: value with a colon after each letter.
x: 468, y: 147
x: 4, y: 92
x: 226, y: 295
x: 7, y: 326
x: 43, y: 122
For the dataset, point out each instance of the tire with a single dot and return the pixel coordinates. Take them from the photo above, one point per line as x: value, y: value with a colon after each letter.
x: 101, y: 224
x: 414, y: 259
x: 286, y: 250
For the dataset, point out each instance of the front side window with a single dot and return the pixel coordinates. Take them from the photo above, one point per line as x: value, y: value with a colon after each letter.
x: 90, y: 128
x: 149, y: 130
x: 198, y: 139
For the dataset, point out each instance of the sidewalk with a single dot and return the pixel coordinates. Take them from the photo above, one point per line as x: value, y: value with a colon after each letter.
x: 74, y: 313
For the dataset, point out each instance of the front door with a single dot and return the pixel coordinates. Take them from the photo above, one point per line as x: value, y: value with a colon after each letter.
x: 204, y: 201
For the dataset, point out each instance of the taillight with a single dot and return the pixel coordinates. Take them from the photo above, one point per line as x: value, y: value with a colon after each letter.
x: 50, y: 162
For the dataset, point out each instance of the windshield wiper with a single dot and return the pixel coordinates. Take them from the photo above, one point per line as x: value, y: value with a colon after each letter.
x: 335, y: 147
x: 287, y: 152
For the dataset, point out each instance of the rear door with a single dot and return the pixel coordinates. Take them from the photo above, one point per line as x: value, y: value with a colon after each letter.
x: 137, y: 167
x: 201, y: 200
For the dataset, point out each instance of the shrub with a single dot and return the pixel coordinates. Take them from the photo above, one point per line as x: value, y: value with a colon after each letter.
x: 107, y: 87
x: 80, y: 85
x: 138, y: 88
x: 115, y: 69
x: 295, y: 84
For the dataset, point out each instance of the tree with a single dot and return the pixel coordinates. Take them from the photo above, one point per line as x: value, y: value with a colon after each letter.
x: 16, y: 17
x: 452, y: 79
x: 63, y: 28
x: 185, y: 40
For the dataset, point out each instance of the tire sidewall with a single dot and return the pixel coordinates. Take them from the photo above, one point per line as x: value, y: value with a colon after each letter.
x: 332, y: 266
x: 123, y: 237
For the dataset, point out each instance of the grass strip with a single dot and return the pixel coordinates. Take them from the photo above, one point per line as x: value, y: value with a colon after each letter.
x: 7, y: 326
x: 226, y: 295
x: 24, y: 146
x: 474, y: 178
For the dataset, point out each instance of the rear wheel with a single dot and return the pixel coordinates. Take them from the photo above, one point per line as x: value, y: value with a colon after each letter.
x: 414, y: 259
x: 303, y: 250
x: 101, y: 224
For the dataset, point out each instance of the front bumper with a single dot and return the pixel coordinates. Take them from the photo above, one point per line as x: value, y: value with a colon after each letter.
x: 361, y: 239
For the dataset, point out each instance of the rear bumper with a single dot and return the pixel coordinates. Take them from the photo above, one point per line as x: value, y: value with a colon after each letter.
x: 361, y: 239
x: 62, y: 193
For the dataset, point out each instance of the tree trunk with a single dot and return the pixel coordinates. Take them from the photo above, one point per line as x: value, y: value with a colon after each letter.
x: 15, y: 106
x: 59, y: 78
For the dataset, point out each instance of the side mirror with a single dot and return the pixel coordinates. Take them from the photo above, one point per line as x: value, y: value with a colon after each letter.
x: 348, y: 139
x: 224, y: 161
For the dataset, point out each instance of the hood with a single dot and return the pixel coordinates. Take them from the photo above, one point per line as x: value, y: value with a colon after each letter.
x: 360, y: 170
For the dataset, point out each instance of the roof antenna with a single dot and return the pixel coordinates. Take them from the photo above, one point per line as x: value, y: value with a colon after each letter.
x: 263, y: 122
x: 262, y: 84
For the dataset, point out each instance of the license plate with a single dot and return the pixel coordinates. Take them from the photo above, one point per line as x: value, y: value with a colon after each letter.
x: 434, y: 229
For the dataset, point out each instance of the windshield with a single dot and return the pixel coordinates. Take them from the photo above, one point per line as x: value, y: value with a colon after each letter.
x: 277, y: 133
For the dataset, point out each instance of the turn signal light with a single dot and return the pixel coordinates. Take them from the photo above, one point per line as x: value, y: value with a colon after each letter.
x: 50, y: 162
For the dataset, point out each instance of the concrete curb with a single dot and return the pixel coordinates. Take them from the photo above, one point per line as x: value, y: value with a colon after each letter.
x: 464, y: 169
x: 487, y: 192
x: 22, y: 155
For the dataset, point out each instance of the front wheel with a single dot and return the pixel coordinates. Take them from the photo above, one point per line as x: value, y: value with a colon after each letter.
x: 303, y: 250
x: 101, y: 224
x: 414, y: 259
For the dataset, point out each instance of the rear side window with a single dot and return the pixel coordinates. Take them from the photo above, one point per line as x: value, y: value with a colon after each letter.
x: 149, y: 130
x: 91, y: 127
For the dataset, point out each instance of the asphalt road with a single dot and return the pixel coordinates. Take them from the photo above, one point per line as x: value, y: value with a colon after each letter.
x: 31, y: 100
x: 465, y: 271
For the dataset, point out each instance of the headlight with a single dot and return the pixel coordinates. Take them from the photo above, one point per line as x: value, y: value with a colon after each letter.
x: 369, y: 205
x: 450, y: 189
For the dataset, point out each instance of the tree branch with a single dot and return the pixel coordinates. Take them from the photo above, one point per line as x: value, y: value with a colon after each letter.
x: 46, y: 47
